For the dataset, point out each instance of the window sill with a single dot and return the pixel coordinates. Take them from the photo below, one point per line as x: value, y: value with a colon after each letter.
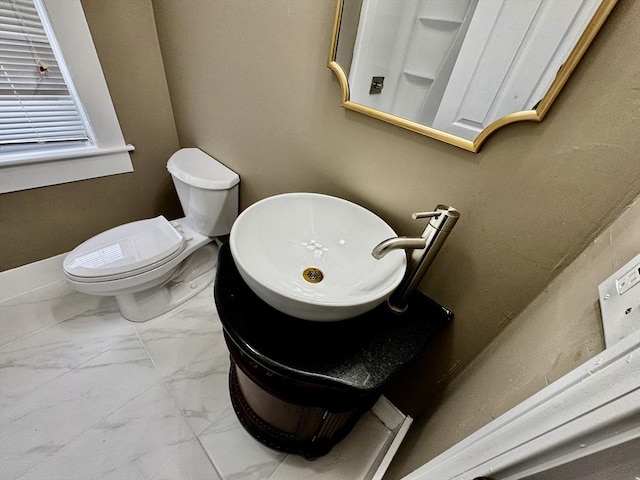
x: 21, y: 171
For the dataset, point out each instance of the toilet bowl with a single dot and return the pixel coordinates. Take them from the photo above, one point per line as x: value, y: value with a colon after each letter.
x: 154, y: 265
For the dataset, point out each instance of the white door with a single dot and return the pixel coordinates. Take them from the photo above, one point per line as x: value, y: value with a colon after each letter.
x: 491, y: 77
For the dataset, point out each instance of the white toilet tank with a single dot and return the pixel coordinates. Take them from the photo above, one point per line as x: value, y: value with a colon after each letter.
x: 208, y: 191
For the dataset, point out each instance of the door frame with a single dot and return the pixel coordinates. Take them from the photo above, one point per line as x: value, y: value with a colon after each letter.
x: 592, y: 408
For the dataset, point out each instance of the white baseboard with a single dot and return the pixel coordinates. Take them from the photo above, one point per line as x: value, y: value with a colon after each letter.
x: 28, y: 277
x: 399, y: 425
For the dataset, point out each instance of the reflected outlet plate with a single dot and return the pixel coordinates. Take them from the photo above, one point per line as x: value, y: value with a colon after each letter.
x: 620, y: 302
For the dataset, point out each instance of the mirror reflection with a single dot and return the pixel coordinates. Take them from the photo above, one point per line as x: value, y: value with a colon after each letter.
x: 458, y: 69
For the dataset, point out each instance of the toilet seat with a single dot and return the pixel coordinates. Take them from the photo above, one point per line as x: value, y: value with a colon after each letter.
x: 124, y: 251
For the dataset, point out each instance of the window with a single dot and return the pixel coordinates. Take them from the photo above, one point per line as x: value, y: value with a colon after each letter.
x: 36, y: 104
x: 52, y: 130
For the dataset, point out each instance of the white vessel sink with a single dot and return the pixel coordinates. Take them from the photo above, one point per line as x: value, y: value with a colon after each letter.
x: 309, y: 255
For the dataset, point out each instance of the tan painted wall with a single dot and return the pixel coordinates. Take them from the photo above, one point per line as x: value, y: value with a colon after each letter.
x: 42, y: 222
x: 249, y: 86
x: 557, y: 332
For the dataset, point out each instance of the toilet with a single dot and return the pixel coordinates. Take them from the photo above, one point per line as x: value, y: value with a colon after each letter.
x: 154, y: 265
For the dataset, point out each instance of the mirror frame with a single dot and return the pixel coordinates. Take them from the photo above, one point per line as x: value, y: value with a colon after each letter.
x: 537, y: 114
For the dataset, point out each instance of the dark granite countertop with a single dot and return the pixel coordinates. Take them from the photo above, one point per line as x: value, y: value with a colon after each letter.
x: 360, y: 354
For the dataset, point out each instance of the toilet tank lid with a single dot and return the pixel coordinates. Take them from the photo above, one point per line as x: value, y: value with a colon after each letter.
x: 196, y: 168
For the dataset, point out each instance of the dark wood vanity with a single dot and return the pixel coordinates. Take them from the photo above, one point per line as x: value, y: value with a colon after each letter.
x: 300, y: 386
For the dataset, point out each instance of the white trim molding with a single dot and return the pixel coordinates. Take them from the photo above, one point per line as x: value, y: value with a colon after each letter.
x: 592, y: 408
x: 23, y: 279
x: 108, y: 154
x: 63, y: 166
x: 398, y: 424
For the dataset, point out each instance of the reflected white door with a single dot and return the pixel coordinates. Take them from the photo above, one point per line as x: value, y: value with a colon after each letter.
x: 493, y: 76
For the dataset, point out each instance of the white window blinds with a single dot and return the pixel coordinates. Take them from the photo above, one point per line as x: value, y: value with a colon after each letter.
x: 36, y: 103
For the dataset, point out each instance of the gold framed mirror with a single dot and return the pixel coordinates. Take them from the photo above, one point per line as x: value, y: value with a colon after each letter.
x: 458, y: 70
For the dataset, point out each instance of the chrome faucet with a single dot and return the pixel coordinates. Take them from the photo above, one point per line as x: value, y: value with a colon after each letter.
x: 425, y: 249
x: 397, y: 243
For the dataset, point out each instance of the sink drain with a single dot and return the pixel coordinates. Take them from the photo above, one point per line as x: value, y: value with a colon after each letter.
x: 312, y: 275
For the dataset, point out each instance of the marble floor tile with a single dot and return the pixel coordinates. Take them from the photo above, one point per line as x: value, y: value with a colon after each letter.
x: 34, y: 360
x: 201, y: 390
x: 235, y: 454
x: 86, y: 394
x: 188, y: 350
x: 44, y: 307
x: 191, y: 463
x: 130, y: 444
x: 47, y: 419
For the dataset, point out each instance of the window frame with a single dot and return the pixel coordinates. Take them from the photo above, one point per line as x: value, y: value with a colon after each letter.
x: 110, y: 154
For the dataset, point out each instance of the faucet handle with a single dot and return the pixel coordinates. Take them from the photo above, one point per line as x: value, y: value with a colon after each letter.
x: 418, y: 215
x: 446, y: 210
x: 443, y: 218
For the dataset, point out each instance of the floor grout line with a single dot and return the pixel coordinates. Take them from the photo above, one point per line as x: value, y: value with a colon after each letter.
x: 75, y: 316
x: 175, y: 400
x: 195, y: 442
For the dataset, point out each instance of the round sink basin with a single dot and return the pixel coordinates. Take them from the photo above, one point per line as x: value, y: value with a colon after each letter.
x: 309, y: 255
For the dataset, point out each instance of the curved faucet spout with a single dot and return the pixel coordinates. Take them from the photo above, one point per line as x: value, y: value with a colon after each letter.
x: 442, y: 221
x: 397, y: 243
